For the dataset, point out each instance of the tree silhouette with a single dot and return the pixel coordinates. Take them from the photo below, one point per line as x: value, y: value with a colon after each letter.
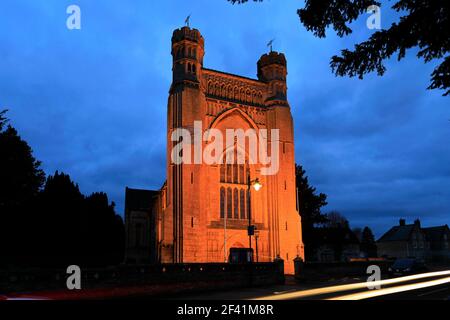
x: 51, y: 224
x: 334, y: 219
x: 21, y: 176
x: 78, y: 229
x: 310, y: 204
x: 358, y: 232
x: 20, y: 181
x: 103, y: 230
x: 368, y: 244
x: 337, y: 238
x: 423, y: 24
x: 60, y: 206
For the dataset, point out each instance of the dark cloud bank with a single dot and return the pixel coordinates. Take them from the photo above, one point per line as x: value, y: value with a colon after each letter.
x: 92, y: 102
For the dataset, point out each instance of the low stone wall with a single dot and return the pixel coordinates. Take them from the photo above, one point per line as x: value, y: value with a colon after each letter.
x: 329, y: 270
x: 156, y: 279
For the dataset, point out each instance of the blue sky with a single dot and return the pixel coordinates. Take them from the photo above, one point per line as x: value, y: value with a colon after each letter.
x: 92, y: 102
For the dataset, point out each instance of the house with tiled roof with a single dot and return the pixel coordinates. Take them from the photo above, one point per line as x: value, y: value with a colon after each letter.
x: 404, y: 241
x: 413, y: 241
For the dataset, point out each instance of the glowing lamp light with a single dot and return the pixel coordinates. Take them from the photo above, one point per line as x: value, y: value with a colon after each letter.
x: 257, y: 185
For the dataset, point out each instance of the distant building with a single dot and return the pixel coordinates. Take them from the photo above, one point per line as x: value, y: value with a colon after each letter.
x: 335, y: 244
x: 439, y: 240
x: 141, y: 215
x: 411, y: 240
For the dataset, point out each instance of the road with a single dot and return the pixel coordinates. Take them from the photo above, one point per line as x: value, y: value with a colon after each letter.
x: 424, y: 286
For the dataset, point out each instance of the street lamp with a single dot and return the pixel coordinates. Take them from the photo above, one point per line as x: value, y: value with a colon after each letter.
x: 257, y: 185
x: 251, y: 228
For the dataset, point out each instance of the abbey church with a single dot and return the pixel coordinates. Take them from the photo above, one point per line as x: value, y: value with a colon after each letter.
x: 203, y: 211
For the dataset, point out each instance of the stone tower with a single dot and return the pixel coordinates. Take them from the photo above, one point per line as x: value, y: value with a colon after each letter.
x: 205, y: 205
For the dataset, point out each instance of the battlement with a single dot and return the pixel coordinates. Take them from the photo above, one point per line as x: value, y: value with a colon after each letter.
x: 272, y: 58
x: 187, y: 33
x: 272, y: 67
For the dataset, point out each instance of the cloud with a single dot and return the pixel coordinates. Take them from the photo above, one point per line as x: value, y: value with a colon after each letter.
x: 93, y: 102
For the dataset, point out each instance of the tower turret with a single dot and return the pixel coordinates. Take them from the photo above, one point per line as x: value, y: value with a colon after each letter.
x: 187, y: 53
x: 272, y: 68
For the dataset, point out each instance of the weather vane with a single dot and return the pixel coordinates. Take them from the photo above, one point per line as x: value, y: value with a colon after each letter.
x: 187, y: 20
x: 270, y: 44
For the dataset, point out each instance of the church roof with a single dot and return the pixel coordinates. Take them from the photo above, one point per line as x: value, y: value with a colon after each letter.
x: 139, y: 199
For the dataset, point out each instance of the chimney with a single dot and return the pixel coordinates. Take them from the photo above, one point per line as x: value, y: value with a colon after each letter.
x: 417, y: 222
x: 402, y: 222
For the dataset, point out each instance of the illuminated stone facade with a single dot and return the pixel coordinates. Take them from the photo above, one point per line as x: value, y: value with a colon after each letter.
x: 204, y: 207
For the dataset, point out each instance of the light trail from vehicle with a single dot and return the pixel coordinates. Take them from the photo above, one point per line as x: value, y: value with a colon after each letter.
x: 382, y: 292
x: 352, y: 286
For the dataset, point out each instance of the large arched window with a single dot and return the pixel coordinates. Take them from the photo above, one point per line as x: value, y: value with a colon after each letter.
x: 222, y: 173
x: 241, y: 173
x: 229, y: 203
x: 242, y: 203
x: 236, y: 203
x: 229, y: 172
x: 233, y: 186
x: 235, y: 173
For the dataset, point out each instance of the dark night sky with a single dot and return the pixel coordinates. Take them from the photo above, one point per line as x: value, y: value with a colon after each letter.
x: 92, y: 103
